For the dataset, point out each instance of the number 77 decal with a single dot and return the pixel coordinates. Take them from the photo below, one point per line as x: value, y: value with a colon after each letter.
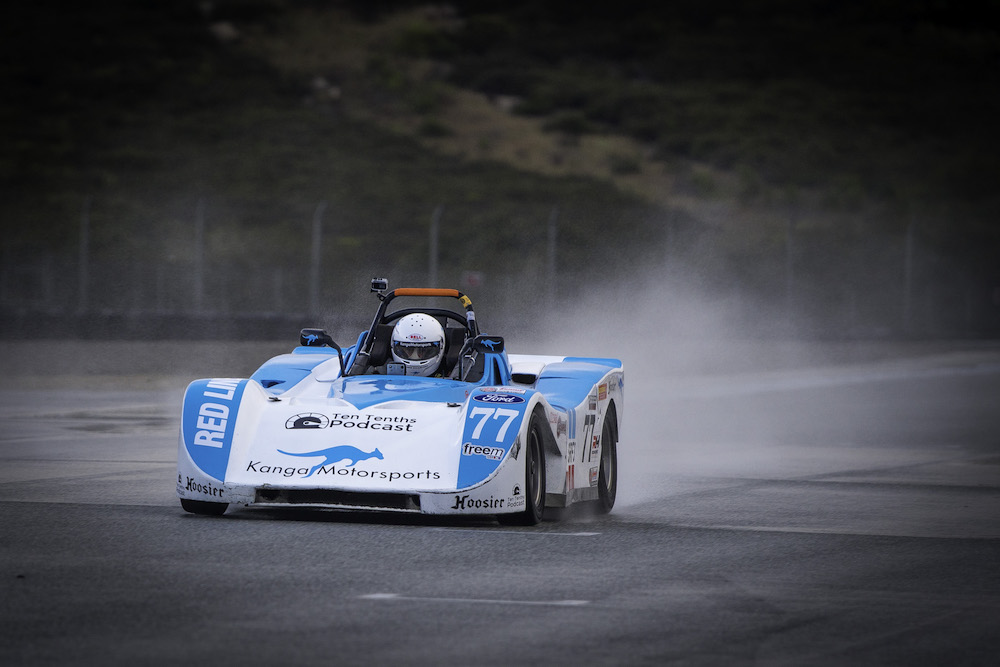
x: 497, y: 413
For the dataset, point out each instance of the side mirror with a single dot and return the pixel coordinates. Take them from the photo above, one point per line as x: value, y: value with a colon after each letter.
x: 484, y: 343
x: 470, y: 361
x: 316, y: 338
x: 319, y: 338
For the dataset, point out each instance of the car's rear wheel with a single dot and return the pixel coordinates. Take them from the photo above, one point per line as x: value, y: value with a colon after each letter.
x: 203, y: 507
x: 607, y: 481
x: 534, y: 479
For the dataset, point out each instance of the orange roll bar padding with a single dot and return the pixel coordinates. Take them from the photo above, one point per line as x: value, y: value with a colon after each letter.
x: 426, y: 291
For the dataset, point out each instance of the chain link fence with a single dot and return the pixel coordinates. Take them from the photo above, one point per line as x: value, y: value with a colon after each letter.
x: 203, y: 287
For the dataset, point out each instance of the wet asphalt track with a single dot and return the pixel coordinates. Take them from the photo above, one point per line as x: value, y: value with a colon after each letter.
x: 846, y: 513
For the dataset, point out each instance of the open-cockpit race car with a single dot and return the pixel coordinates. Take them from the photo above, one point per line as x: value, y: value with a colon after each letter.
x: 423, y: 414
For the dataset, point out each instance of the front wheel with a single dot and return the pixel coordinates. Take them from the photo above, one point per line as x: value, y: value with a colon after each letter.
x: 607, y: 481
x: 534, y: 480
x: 203, y: 507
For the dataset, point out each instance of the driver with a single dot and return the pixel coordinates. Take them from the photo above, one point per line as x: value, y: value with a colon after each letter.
x: 418, y: 344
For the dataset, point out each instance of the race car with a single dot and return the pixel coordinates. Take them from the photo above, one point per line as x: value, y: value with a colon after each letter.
x: 377, y: 426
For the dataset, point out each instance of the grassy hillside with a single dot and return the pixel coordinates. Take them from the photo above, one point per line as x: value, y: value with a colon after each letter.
x: 718, y: 132
x: 146, y: 110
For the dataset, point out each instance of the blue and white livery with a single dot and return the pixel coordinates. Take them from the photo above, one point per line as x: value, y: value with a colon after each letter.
x: 491, y: 433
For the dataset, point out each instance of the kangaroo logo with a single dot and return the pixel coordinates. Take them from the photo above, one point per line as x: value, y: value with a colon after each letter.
x: 337, y: 454
x: 490, y: 344
x: 311, y: 338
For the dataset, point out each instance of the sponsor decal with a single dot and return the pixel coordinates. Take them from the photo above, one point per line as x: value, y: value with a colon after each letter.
x: 283, y: 471
x: 505, y: 390
x: 485, y: 415
x: 209, y: 420
x: 602, y: 392
x: 308, y: 420
x: 490, y: 344
x: 348, y: 455
x: 363, y: 422
x: 372, y: 422
x: 570, y: 474
x: 595, y: 447
x: 592, y: 402
x: 571, y: 451
x: 497, y: 398
x: 332, y: 470
x: 589, y: 423
x: 516, y: 500
x: 491, y: 424
x: 213, y: 418
x: 494, y: 453
x: 208, y: 489
x: 335, y: 455
x: 594, y: 472
x: 467, y: 503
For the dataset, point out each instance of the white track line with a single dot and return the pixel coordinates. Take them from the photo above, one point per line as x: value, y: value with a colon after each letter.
x: 494, y: 531
x: 536, y: 603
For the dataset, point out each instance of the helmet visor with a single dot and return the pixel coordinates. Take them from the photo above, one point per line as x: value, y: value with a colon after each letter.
x: 416, y: 351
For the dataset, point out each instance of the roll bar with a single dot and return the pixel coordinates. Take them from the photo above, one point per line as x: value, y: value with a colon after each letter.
x: 378, y: 287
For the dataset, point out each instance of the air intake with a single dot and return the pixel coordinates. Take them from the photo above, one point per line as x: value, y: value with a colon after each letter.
x: 397, y: 502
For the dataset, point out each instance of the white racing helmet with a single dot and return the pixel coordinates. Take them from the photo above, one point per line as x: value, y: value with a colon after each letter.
x: 418, y: 344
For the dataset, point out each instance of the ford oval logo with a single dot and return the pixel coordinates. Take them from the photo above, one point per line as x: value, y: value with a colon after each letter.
x: 498, y: 398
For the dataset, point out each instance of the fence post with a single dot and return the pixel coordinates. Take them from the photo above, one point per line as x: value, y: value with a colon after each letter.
x: 432, y: 262
x: 199, y: 255
x: 83, y: 266
x: 908, y: 279
x: 317, y: 240
x: 551, y: 259
x: 789, y: 269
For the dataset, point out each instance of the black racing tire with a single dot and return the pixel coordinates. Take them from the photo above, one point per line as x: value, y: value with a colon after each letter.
x: 607, y: 480
x: 534, y: 479
x: 203, y: 507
